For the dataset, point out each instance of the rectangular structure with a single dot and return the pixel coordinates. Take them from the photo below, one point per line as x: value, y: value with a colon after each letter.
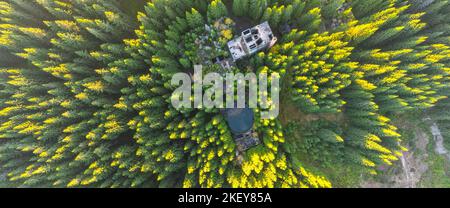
x: 252, y: 41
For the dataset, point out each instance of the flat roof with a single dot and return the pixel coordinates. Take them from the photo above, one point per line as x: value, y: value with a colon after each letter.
x: 252, y: 40
x: 236, y: 49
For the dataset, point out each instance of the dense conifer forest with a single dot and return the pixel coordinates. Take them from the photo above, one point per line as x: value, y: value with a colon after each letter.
x: 85, y: 88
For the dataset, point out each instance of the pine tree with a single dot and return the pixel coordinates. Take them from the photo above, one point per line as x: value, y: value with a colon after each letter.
x: 216, y: 10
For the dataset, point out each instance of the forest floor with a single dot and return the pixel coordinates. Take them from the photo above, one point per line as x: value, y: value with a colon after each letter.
x: 408, y: 172
x: 425, y: 165
x: 289, y: 112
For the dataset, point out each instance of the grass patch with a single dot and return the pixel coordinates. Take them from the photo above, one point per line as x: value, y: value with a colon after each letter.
x: 438, y: 174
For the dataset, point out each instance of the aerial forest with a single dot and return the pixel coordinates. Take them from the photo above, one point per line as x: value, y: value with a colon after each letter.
x: 85, y: 90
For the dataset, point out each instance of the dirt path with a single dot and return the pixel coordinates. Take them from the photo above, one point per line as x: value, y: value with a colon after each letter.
x: 408, y: 182
x: 413, y: 164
